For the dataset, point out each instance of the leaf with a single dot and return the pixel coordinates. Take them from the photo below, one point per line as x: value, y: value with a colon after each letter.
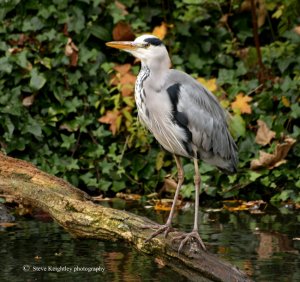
x: 125, y: 78
x: 28, y: 101
x: 264, y: 135
x: 37, y: 80
x: 237, y: 125
x: 121, y: 7
x: 165, y: 205
x: 297, y: 29
x: 111, y: 117
x: 278, y: 13
x: 118, y: 185
x: 128, y: 78
x: 123, y: 69
x: 159, y: 160
x: 239, y: 205
x: 5, y: 65
x: 210, y: 84
x: 271, y: 161
x: 260, y: 7
x: 128, y: 197
x: 285, y: 101
x: 71, y: 51
x: 127, y: 84
x: 100, y: 32
x: 7, y: 224
x: 240, y: 105
x: 295, y: 111
x: 123, y: 32
x: 160, y: 31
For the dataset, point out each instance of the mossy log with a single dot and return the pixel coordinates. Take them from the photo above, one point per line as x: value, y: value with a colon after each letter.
x: 75, y: 211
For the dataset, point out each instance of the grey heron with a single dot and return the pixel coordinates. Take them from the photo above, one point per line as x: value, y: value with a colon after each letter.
x: 184, y: 117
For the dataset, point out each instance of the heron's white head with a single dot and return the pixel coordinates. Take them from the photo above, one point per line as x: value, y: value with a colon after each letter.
x: 148, y: 48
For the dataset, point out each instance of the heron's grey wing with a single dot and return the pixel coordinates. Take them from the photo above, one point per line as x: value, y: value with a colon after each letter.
x: 206, y: 120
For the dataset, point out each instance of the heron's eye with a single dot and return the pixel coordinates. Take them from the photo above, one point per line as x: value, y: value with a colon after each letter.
x: 147, y: 45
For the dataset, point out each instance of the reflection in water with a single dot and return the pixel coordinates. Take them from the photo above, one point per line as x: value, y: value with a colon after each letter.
x: 263, y: 245
x: 272, y: 243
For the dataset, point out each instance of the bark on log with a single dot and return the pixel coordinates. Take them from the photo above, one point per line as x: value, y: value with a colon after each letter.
x: 75, y: 212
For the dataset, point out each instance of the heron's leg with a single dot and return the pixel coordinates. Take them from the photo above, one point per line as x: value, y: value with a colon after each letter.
x: 194, y: 234
x: 180, y: 176
x: 168, y: 226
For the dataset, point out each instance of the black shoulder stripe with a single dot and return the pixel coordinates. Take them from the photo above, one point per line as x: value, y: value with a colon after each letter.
x: 174, y: 92
x: 180, y: 118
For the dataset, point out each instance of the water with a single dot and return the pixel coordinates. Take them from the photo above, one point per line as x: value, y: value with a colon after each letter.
x: 266, y: 246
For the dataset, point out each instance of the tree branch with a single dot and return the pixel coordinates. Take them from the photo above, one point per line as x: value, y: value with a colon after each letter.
x: 262, y: 70
x: 76, y: 213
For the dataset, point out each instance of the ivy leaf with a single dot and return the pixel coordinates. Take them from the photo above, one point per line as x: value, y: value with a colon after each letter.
x: 118, y: 186
x: 295, y: 111
x: 159, y: 160
x: 240, y: 105
x: 37, y: 80
x: 5, y: 66
x: 237, y: 126
x: 68, y: 141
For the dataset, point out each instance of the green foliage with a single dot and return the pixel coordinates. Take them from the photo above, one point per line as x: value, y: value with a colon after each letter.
x: 51, y: 100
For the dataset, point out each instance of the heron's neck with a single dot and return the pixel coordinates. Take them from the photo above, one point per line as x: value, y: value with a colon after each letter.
x: 157, y: 64
x: 156, y: 69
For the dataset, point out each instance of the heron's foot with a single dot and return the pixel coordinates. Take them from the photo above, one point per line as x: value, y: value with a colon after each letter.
x: 166, y: 229
x: 190, y: 237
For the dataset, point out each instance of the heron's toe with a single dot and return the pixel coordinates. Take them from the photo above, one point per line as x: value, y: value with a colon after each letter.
x: 190, y: 237
x: 166, y: 229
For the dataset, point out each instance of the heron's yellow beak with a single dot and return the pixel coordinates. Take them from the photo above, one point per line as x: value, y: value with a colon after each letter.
x: 125, y: 45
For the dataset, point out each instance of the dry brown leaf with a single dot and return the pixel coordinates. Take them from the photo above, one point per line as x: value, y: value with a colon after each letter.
x: 170, y: 185
x: 270, y: 161
x: 121, y: 7
x: 261, y: 13
x: 7, y: 224
x: 71, y: 51
x: 28, y: 101
x: 166, y: 204
x: 163, y: 205
x: 128, y: 78
x: 125, y: 78
x: 160, y: 262
x: 263, y: 135
x: 246, y: 6
x: 128, y: 197
x: 15, y: 50
x: 123, y: 32
x: 37, y: 257
x: 261, y: 10
x: 122, y: 69
x: 297, y: 29
x: 160, y: 31
x: 241, y: 105
x: 239, y: 205
x: 224, y: 19
x: 111, y: 117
